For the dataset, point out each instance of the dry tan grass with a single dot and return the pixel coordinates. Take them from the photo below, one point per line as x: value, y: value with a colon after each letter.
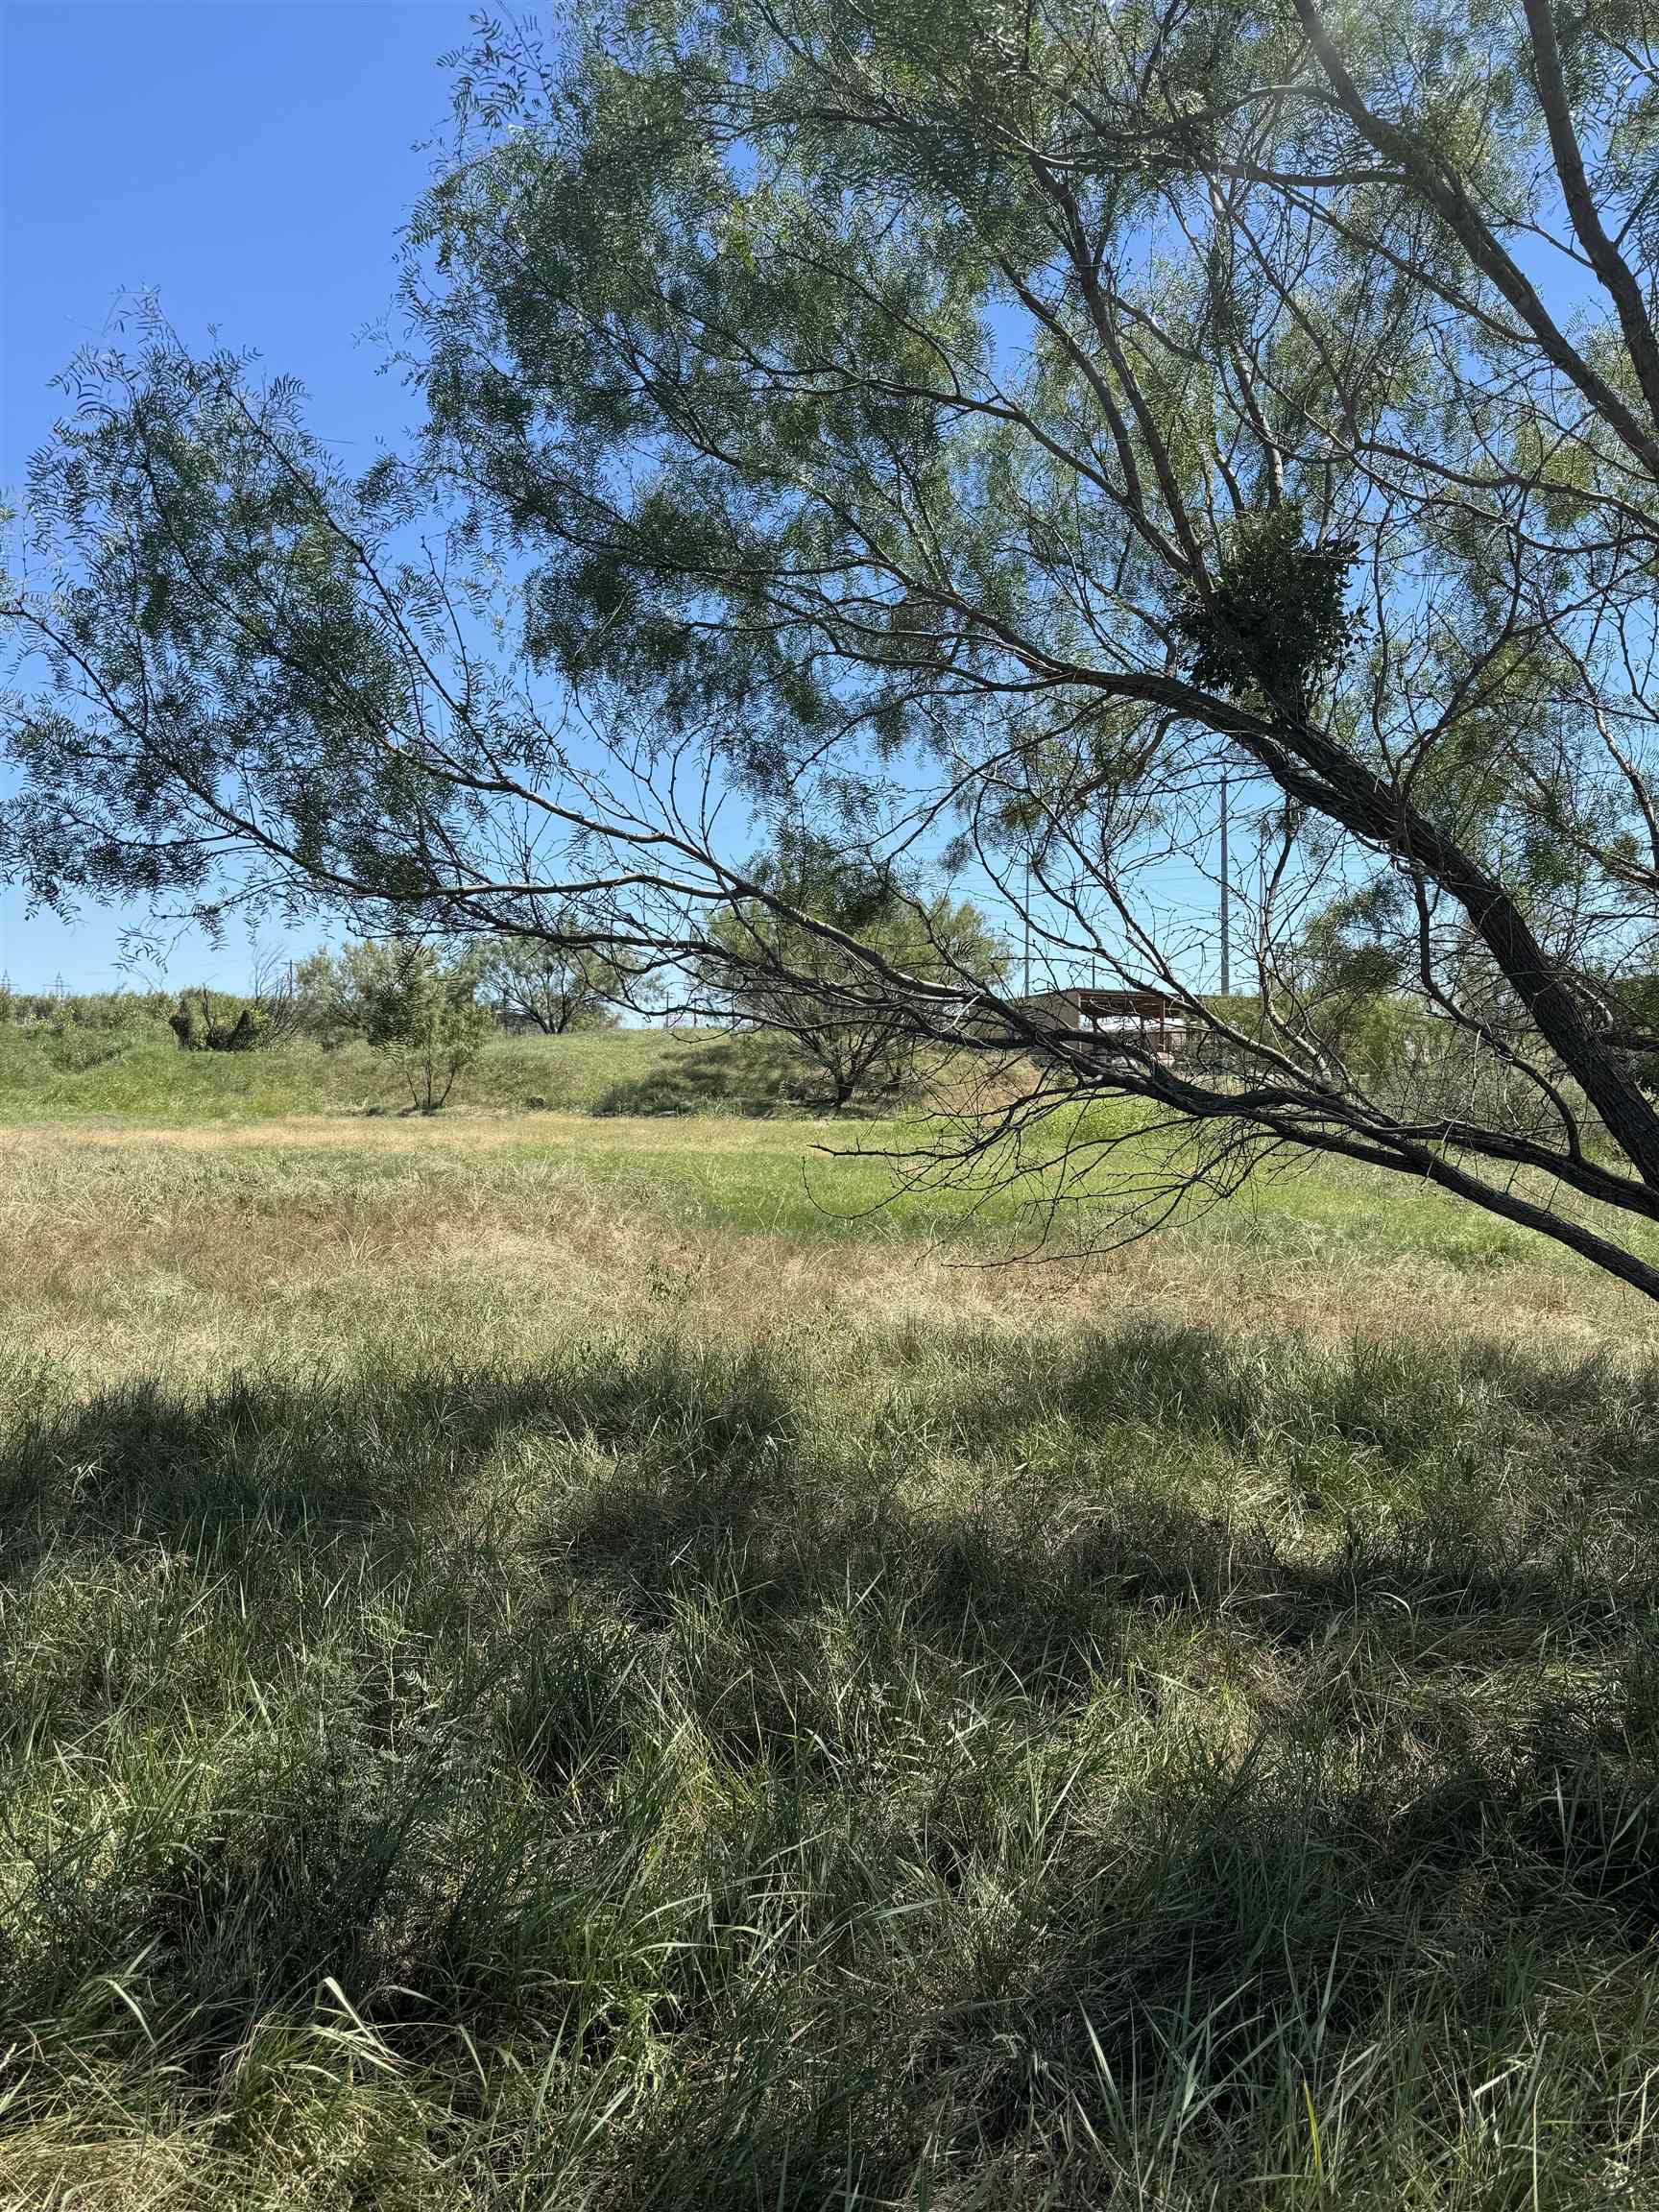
x: 128, y: 1247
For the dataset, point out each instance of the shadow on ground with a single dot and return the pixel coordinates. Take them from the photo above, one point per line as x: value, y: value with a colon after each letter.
x: 956, y: 1746
x: 754, y: 1076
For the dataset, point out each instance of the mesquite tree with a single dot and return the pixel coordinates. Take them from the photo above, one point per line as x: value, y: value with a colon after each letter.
x: 795, y: 978
x: 544, y: 982
x: 971, y: 428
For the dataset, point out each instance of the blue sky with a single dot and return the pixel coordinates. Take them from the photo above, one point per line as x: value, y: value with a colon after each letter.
x: 252, y: 160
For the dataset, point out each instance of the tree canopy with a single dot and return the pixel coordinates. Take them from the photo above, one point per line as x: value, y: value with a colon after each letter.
x: 968, y: 427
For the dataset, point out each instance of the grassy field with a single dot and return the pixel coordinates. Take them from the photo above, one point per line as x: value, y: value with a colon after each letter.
x: 50, y: 1072
x: 557, y: 1660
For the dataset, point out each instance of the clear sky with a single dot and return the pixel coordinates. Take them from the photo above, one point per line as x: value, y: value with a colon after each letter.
x: 252, y: 160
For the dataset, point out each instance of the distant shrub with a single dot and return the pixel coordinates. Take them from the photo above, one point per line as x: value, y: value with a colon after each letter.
x: 553, y: 985
x: 113, y: 1009
x: 85, y: 1030
x: 208, y: 1022
x: 82, y: 1009
x: 406, y: 999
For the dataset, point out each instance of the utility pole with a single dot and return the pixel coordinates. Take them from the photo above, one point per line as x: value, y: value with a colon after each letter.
x: 1027, y: 924
x: 1226, y: 965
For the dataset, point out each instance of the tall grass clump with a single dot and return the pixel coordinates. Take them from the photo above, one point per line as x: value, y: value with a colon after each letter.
x: 955, y: 1767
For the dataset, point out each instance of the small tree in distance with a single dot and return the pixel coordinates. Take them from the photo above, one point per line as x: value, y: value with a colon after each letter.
x: 406, y: 1000
x: 552, y: 987
x: 203, y: 1026
x: 270, y: 1013
x: 773, y: 971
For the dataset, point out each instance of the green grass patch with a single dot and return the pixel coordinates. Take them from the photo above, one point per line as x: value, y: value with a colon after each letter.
x: 958, y: 1768
x: 562, y: 1660
x: 138, y: 1071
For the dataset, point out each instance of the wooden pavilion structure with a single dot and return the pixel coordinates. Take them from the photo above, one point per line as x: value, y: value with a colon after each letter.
x: 1146, y: 1019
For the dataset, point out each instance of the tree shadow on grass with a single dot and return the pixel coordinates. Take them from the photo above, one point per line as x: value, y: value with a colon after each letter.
x: 1372, y: 1725
x: 750, y: 1074
x: 756, y: 1078
x: 1084, y: 1482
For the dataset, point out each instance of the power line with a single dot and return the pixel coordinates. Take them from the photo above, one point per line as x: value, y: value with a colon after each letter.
x: 1226, y: 966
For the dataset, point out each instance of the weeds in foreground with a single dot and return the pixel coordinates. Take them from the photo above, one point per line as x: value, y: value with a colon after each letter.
x: 958, y: 1769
